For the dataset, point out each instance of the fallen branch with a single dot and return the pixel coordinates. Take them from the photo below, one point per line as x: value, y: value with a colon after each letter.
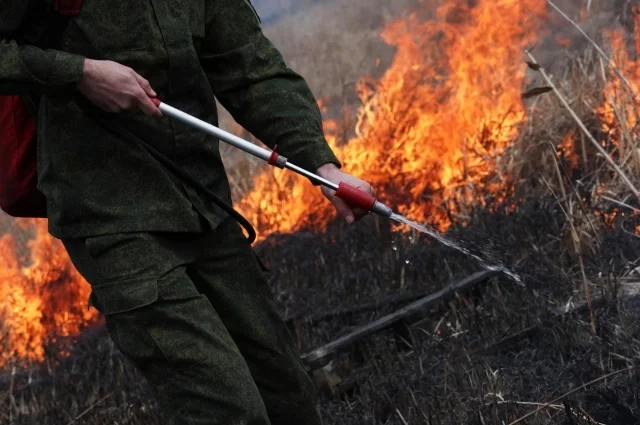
x: 313, y: 359
x: 535, y: 65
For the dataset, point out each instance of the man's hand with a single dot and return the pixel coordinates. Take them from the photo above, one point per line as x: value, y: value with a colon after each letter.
x: 116, y: 88
x: 333, y: 173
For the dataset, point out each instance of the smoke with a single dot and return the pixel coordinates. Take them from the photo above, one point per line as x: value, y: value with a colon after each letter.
x: 562, y: 43
x: 271, y: 11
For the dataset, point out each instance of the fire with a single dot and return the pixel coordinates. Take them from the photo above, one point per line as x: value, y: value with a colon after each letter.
x: 431, y: 135
x: 618, y: 117
x: 567, y: 149
x: 563, y: 41
x: 43, y: 296
x: 618, y: 113
x: 431, y: 132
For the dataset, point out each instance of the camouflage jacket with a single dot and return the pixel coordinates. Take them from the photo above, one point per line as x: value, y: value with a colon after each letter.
x: 192, y: 51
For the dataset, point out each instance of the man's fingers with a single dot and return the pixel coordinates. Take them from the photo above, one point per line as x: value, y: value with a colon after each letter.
x: 144, y: 83
x: 367, y: 188
x: 359, y: 213
x: 147, y: 106
x: 349, y: 213
x: 144, y: 101
x: 344, y: 210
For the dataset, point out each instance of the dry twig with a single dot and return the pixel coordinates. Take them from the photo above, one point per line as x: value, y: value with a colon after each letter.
x: 575, y: 191
x: 578, y: 250
x: 88, y: 409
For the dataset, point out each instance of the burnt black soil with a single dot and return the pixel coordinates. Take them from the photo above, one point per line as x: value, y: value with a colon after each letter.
x: 490, y: 356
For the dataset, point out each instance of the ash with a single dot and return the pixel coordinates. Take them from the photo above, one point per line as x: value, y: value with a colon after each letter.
x: 491, y: 355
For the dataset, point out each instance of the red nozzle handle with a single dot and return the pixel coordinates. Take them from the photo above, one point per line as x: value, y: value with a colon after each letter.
x: 355, y: 197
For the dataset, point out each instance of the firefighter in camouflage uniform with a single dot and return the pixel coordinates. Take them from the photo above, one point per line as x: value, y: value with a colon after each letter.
x: 183, y: 294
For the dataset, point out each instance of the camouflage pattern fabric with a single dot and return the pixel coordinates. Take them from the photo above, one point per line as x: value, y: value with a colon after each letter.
x: 192, y: 52
x: 195, y: 314
x: 182, y: 292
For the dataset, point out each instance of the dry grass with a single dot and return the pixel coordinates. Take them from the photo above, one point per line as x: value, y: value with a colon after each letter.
x: 563, y: 350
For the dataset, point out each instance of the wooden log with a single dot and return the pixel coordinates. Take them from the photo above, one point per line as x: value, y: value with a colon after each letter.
x: 316, y: 358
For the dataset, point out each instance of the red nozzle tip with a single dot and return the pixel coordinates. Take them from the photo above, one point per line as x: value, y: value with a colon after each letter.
x: 156, y: 101
x: 355, y: 197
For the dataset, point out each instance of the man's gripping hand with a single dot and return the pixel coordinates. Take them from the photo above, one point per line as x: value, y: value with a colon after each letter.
x: 116, y: 88
x: 335, y: 175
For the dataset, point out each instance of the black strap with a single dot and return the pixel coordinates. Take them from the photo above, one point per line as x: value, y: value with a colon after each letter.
x: 118, y: 130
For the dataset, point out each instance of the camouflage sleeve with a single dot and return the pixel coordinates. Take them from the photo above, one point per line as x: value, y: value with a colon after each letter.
x: 249, y: 78
x: 27, y: 68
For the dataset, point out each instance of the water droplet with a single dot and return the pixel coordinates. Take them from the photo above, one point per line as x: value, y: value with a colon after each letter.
x: 395, y: 248
x: 410, y: 238
x: 407, y: 262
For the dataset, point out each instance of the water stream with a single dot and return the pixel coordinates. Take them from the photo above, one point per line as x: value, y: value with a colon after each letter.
x: 440, y: 238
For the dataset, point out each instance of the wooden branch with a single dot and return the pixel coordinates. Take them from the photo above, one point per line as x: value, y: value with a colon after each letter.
x: 315, y: 358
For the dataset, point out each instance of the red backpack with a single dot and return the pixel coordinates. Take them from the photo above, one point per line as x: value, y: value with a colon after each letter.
x: 19, y: 195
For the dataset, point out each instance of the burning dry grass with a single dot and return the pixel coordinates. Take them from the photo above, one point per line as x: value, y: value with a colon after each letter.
x: 43, y: 296
x: 449, y: 140
x: 446, y: 108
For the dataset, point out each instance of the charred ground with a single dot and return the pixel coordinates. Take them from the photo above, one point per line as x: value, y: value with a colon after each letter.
x: 568, y: 225
x: 488, y: 356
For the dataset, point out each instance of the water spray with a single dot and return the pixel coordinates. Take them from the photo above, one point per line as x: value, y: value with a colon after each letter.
x: 353, y: 196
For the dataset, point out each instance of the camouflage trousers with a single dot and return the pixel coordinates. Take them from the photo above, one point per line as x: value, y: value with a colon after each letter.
x: 196, y: 316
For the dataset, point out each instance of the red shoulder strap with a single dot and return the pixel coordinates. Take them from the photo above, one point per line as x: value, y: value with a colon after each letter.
x: 67, y: 7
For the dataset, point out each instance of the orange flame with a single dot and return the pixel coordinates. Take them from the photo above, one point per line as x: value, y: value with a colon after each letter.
x: 616, y: 94
x: 43, y: 296
x: 431, y: 131
x: 563, y: 41
x: 567, y: 149
x: 617, y: 114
